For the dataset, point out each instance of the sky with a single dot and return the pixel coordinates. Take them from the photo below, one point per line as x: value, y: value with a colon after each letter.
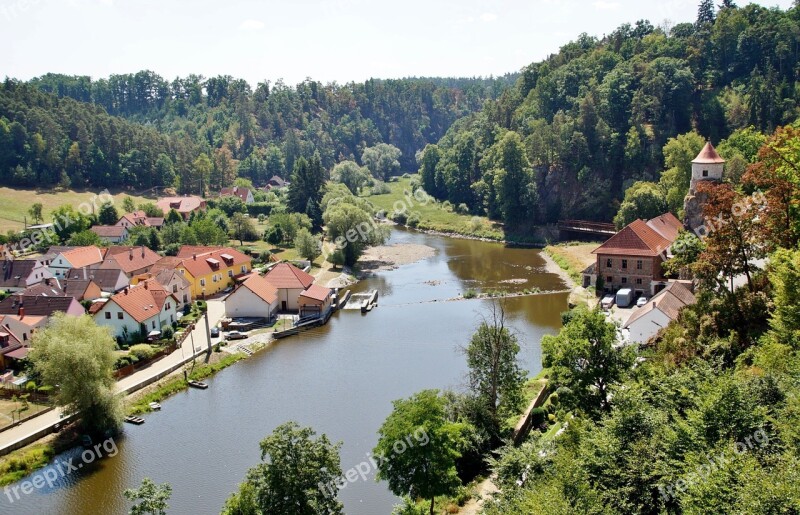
x: 339, y: 40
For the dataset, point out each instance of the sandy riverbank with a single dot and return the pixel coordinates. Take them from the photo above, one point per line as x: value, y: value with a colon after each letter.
x: 389, y: 257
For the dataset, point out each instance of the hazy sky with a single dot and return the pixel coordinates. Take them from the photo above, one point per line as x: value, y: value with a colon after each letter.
x: 341, y: 40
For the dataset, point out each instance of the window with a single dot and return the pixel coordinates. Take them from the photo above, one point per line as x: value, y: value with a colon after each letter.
x: 108, y: 315
x: 609, y: 279
x: 154, y: 324
x: 24, y: 337
x: 185, y: 298
x: 608, y: 263
x: 181, y: 270
x: 119, y: 315
x: 202, y: 282
x: 624, y: 263
x: 638, y: 281
x: 638, y: 264
x: 230, y: 273
x: 174, y: 288
x: 705, y: 173
x: 244, y: 269
x: 624, y: 280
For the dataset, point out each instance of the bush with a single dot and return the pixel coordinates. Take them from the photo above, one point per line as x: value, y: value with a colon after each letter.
x: 551, y: 418
x: 470, y: 294
x: 168, y: 333
x: 379, y: 188
x: 400, y: 217
x: 538, y: 416
x: 413, y: 219
x: 414, y: 183
x: 462, y: 209
x: 202, y: 306
x: 142, y: 351
x: 447, y: 206
x: 554, y: 399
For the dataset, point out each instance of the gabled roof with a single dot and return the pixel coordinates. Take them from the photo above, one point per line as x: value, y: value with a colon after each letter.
x: 15, y: 272
x: 106, y: 278
x: 636, y: 239
x: 261, y: 288
x: 142, y: 301
x: 235, y: 191
x: 129, y: 259
x: 28, y: 320
x: 708, y: 155
x: 187, y: 251
x: 53, y: 289
x: 166, y: 275
x: 669, y: 301
x: 317, y: 292
x: 182, y: 205
x: 80, y: 257
x: 667, y: 225
x: 35, y: 305
x: 204, y: 263
x: 141, y: 218
x: 284, y: 275
x: 109, y: 231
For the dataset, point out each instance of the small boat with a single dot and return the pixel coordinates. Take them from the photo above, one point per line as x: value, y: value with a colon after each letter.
x: 130, y: 419
x: 154, y: 406
x: 198, y: 384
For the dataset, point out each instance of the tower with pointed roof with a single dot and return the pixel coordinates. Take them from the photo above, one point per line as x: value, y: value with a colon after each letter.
x: 707, y: 166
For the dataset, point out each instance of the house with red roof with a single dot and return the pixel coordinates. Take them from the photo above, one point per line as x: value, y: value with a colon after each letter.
x: 243, y: 194
x: 290, y: 282
x: 131, y: 260
x: 77, y: 257
x: 315, y: 300
x: 146, y: 308
x: 663, y: 308
x: 11, y: 348
x: 255, y: 297
x: 172, y: 280
x: 110, y: 233
x: 135, y: 218
x: 632, y: 258
x: 210, y: 270
x: 18, y: 274
x: 185, y: 205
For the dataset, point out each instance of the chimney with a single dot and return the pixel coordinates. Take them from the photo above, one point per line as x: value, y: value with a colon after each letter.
x: 194, y: 256
x: 130, y: 254
x: 21, y: 312
x: 145, y: 285
x: 142, y: 251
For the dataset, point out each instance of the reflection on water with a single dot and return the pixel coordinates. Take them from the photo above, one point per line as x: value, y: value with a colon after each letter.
x: 340, y: 379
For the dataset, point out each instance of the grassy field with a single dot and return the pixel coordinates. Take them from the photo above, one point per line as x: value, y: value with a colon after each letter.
x: 433, y: 215
x: 573, y: 258
x: 15, y: 203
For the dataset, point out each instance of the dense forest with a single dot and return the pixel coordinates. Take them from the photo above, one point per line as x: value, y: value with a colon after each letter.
x: 141, y: 131
x: 582, y: 126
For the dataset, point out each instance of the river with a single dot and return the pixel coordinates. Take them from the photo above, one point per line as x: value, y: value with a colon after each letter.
x: 340, y: 379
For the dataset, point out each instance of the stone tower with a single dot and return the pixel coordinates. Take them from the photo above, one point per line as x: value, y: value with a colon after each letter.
x: 707, y: 166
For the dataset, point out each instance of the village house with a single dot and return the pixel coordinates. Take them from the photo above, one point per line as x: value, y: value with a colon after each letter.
x: 110, y: 233
x: 172, y: 281
x: 315, y: 300
x: 145, y: 308
x: 244, y: 194
x: 139, y: 218
x: 11, y: 348
x: 211, y: 271
x: 290, y: 282
x: 276, y: 182
x: 77, y: 257
x: 185, y: 206
x: 632, y: 258
x: 40, y: 305
x: 80, y: 289
x: 255, y: 297
x: 22, y: 326
x: 18, y: 274
x: 663, y: 308
x: 131, y: 260
x: 110, y: 280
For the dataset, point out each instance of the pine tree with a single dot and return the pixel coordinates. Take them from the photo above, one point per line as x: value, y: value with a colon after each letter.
x: 705, y: 13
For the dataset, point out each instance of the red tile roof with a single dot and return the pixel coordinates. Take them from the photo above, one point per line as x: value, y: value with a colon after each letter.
x: 183, y: 205
x: 284, y: 275
x: 142, y: 301
x: 708, y: 156
x: 83, y: 256
x: 667, y: 225
x: 317, y: 292
x: 187, y: 251
x: 670, y: 301
x: 129, y: 259
x: 202, y: 263
x: 636, y: 239
x: 109, y: 231
x: 236, y: 191
x: 262, y: 288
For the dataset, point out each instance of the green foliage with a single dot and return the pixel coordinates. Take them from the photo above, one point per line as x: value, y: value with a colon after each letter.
x: 149, y: 498
x: 36, y: 212
x: 426, y: 469
x: 142, y: 351
x: 307, y: 245
x: 306, y: 189
x: 351, y: 227
x: 351, y: 175
x: 85, y: 238
x: 69, y: 344
x: 287, y: 481
x: 643, y: 200
x: 231, y: 205
x: 108, y: 214
x: 242, y: 228
x: 382, y: 160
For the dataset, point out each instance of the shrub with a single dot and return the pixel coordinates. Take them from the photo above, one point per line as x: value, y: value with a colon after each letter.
x: 554, y: 399
x: 462, y: 209
x: 168, y: 333
x: 202, y: 306
x: 551, y: 418
x: 538, y: 416
x: 379, y: 188
x: 475, y: 223
x: 400, y: 217
x: 414, y: 183
x: 447, y: 206
x: 470, y: 294
x: 413, y: 219
x: 142, y: 351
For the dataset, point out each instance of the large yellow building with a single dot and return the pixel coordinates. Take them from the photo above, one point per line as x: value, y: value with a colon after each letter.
x: 210, y: 270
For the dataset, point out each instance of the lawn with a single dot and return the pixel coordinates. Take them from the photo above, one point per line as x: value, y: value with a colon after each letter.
x: 573, y: 258
x: 434, y: 216
x: 8, y: 409
x: 15, y: 203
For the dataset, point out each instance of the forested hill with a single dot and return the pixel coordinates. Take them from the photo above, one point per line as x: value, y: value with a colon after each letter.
x: 581, y: 126
x: 159, y: 128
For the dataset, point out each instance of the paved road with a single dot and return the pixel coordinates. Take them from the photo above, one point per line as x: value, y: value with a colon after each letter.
x: 197, y: 343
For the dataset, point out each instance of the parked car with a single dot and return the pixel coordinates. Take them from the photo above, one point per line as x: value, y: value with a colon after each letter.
x: 235, y: 335
x: 215, y: 332
x: 642, y: 301
x: 607, y: 301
